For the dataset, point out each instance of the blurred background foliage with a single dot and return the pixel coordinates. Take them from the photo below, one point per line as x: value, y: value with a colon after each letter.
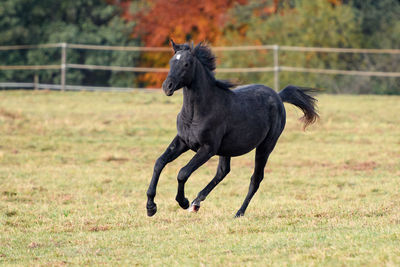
x: 55, y: 21
x: 322, y: 23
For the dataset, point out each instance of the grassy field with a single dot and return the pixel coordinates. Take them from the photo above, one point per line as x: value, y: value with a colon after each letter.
x: 75, y: 166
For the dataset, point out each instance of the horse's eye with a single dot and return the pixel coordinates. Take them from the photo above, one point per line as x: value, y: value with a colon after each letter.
x: 186, y: 65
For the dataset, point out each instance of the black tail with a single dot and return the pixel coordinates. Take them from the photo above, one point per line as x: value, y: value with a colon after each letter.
x: 299, y: 96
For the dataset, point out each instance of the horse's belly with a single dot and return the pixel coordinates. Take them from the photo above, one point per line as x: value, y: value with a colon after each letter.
x: 229, y: 151
x: 236, y: 145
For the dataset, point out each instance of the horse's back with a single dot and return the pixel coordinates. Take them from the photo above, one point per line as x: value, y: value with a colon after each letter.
x: 259, y: 97
x: 253, y: 88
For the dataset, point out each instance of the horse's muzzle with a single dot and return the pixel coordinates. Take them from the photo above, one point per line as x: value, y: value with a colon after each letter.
x: 169, y: 86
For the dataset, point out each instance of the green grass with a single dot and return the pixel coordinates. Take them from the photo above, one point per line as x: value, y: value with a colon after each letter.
x: 75, y: 166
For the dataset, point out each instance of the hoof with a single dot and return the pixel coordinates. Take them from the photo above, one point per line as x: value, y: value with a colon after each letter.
x: 194, y: 208
x: 239, y: 214
x: 151, y: 210
x: 184, y: 203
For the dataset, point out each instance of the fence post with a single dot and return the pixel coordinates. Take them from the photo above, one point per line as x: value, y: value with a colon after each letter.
x: 36, y: 81
x: 276, y: 67
x: 63, y: 65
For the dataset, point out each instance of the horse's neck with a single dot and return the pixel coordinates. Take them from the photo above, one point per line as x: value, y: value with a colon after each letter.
x: 198, y: 97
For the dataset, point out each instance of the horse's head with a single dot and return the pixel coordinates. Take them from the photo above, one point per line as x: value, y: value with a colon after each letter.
x: 181, y: 71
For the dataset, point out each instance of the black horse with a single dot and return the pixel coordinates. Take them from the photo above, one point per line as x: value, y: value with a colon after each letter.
x: 216, y: 120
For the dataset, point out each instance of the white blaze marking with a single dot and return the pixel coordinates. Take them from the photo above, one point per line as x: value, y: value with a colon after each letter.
x: 178, y: 56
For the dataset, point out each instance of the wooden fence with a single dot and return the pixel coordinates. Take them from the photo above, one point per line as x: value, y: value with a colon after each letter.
x: 276, y: 68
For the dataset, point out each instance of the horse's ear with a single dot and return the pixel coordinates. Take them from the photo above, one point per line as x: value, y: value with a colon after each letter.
x: 191, y: 45
x: 197, y: 46
x: 174, y: 46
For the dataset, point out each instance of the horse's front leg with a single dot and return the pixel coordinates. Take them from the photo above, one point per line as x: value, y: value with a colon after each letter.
x: 174, y: 150
x: 203, y: 154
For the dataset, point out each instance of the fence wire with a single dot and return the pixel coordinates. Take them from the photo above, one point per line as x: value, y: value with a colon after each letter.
x: 64, y: 66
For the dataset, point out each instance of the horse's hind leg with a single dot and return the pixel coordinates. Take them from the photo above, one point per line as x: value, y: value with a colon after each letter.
x: 262, y: 153
x: 222, y: 170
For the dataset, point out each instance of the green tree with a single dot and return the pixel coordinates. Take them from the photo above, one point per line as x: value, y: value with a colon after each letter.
x: 380, y: 26
x: 55, y: 21
x: 317, y: 23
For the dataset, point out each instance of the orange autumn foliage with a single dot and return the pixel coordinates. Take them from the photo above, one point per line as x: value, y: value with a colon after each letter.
x: 335, y: 2
x: 181, y: 20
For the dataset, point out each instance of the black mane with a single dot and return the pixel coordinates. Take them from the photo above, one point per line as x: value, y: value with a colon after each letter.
x: 206, y: 57
x: 204, y: 54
